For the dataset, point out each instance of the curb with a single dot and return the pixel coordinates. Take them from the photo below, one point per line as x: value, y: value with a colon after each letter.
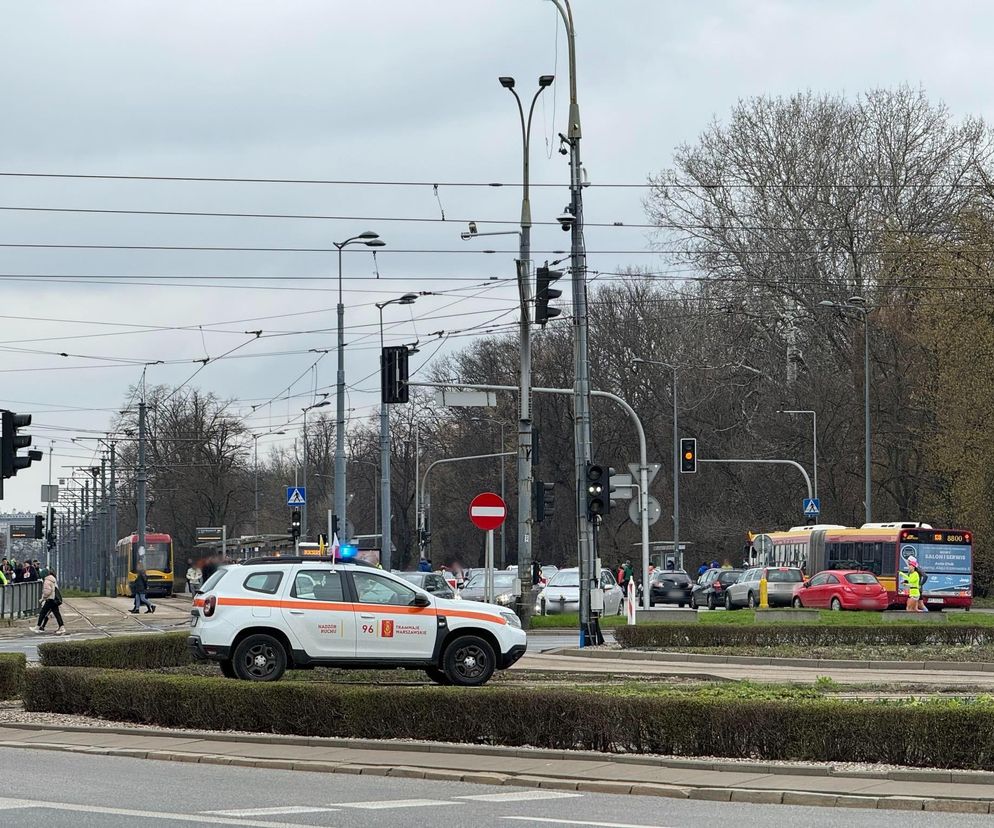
x: 796, y: 769
x: 751, y: 795
x: 771, y: 661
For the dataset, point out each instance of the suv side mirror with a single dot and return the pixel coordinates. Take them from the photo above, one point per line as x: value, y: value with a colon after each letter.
x: 421, y: 601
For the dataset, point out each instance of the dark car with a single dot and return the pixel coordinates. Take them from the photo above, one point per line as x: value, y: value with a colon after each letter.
x: 669, y: 587
x: 709, y: 591
x: 433, y: 582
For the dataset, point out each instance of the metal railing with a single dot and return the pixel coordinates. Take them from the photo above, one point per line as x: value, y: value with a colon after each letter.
x: 20, y: 600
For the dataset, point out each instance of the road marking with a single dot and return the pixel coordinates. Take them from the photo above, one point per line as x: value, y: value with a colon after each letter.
x: 519, y: 796
x: 582, y: 822
x: 276, y: 811
x: 75, y: 807
x: 394, y: 803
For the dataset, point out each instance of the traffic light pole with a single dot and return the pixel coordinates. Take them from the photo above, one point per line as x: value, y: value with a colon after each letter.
x: 113, y: 504
x: 142, y: 477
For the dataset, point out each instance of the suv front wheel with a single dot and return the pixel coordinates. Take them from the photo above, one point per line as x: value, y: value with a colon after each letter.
x: 469, y: 661
x: 259, y: 657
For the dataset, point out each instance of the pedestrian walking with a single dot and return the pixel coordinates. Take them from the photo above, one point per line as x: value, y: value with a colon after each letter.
x: 193, y: 577
x: 51, y: 600
x: 139, y: 588
x: 914, y: 581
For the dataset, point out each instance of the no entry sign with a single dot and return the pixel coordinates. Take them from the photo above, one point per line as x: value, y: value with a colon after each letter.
x: 487, y: 511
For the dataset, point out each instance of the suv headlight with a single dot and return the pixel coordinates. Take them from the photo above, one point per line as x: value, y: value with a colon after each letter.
x: 511, y: 619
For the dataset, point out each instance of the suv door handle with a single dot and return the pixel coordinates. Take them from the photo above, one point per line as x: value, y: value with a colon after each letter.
x: 296, y: 612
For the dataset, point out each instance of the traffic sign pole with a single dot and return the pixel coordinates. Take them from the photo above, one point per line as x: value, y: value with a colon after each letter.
x: 488, y: 578
x: 488, y: 511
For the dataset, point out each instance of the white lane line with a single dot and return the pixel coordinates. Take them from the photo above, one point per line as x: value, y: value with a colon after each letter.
x: 75, y: 807
x: 548, y: 820
x: 275, y: 811
x: 10, y: 804
x: 394, y: 803
x: 520, y: 796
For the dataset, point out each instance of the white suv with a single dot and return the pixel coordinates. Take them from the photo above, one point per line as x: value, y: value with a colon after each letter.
x: 266, y: 615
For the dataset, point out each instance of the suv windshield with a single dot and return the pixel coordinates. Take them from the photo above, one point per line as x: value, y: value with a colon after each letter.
x: 783, y: 576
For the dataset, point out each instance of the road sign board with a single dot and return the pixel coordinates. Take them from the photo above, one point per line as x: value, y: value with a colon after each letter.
x: 49, y: 494
x: 811, y: 507
x: 652, y: 467
x: 622, y: 487
x: 635, y: 513
x: 209, y: 534
x: 296, y: 496
x: 487, y: 511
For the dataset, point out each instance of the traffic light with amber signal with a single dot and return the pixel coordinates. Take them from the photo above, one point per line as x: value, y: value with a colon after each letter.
x: 295, y: 523
x: 688, y: 455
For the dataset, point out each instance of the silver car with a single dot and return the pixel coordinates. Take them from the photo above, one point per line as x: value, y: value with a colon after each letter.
x: 505, y: 587
x: 562, y: 593
x: 780, y: 584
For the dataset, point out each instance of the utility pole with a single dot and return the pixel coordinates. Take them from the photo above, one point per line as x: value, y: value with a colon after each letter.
x: 113, y: 503
x: 581, y: 385
x: 141, y: 477
x: 84, y: 536
x: 104, y: 527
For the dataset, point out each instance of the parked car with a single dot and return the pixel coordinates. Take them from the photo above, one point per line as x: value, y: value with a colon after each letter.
x: 433, y: 582
x: 709, y: 591
x: 840, y: 589
x: 562, y: 594
x: 780, y: 583
x: 669, y: 587
x: 505, y: 587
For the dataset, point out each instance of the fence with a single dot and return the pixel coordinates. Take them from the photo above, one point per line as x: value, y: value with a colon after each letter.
x: 19, y: 600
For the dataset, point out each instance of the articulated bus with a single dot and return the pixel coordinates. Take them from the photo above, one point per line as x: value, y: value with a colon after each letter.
x: 157, y: 558
x: 946, y: 556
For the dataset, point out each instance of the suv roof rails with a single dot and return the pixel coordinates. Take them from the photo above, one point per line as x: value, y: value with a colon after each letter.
x: 268, y: 559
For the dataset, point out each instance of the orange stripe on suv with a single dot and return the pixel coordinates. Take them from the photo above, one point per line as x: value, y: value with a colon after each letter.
x: 336, y: 606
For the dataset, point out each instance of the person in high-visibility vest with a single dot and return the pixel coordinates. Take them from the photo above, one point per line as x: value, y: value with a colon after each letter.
x: 914, y: 580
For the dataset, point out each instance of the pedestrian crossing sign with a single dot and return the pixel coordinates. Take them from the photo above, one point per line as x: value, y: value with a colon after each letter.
x: 296, y: 496
x: 811, y: 507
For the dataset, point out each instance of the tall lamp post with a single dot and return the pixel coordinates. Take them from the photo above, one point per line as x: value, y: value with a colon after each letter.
x: 500, y: 424
x: 303, y: 508
x: 858, y: 305
x: 370, y: 239
x: 385, y: 509
x: 814, y: 440
x: 676, y: 453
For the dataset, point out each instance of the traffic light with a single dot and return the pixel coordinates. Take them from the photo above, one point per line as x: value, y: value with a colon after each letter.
x: 597, y: 501
x: 334, y: 525
x: 50, y: 535
x: 688, y: 455
x: 39, y: 527
x: 10, y: 442
x: 295, y: 523
x: 545, y: 500
x: 393, y: 375
x: 545, y: 293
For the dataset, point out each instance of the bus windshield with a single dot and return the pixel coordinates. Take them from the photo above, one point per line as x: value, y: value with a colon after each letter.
x: 156, y: 556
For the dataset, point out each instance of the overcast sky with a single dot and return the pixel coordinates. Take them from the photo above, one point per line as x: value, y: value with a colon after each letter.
x: 381, y: 90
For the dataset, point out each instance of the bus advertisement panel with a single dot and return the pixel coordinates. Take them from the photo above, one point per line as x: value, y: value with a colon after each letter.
x: 946, y: 557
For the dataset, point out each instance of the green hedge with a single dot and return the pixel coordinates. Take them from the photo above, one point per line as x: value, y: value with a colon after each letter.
x: 668, y: 636
x: 943, y: 733
x: 12, y: 668
x: 129, y: 652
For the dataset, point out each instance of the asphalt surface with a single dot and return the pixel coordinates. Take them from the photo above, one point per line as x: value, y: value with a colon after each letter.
x: 80, y: 791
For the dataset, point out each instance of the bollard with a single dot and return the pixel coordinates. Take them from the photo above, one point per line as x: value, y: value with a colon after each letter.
x: 764, y: 602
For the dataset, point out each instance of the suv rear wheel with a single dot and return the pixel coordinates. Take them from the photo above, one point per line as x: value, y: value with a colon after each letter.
x: 259, y: 657
x: 469, y: 661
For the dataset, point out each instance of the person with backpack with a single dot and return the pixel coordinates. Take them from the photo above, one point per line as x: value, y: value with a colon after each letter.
x: 51, y: 600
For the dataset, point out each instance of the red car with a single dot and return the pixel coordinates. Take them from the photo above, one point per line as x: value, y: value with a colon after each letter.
x: 840, y: 589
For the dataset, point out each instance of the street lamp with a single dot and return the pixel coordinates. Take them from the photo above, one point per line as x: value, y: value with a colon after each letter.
x: 859, y: 305
x: 676, y: 453
x: 814, y: 439
x: 255, y: 439
x: 501, y: 424
x: 303, y: 508
x: 385, y: 509
x: 370, y: 239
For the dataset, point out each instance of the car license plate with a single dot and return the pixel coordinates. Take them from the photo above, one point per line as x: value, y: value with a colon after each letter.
x: 936, y: 600
x: 194, y: 620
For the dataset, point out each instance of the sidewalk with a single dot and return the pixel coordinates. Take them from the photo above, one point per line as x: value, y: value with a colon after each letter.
x: 590, y: 660
x: 714, y: 779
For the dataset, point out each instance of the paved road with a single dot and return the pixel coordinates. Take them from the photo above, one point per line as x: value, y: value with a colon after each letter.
x: 72, y: 790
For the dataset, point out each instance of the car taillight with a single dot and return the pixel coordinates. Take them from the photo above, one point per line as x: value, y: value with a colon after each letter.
x: 210, y: 604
